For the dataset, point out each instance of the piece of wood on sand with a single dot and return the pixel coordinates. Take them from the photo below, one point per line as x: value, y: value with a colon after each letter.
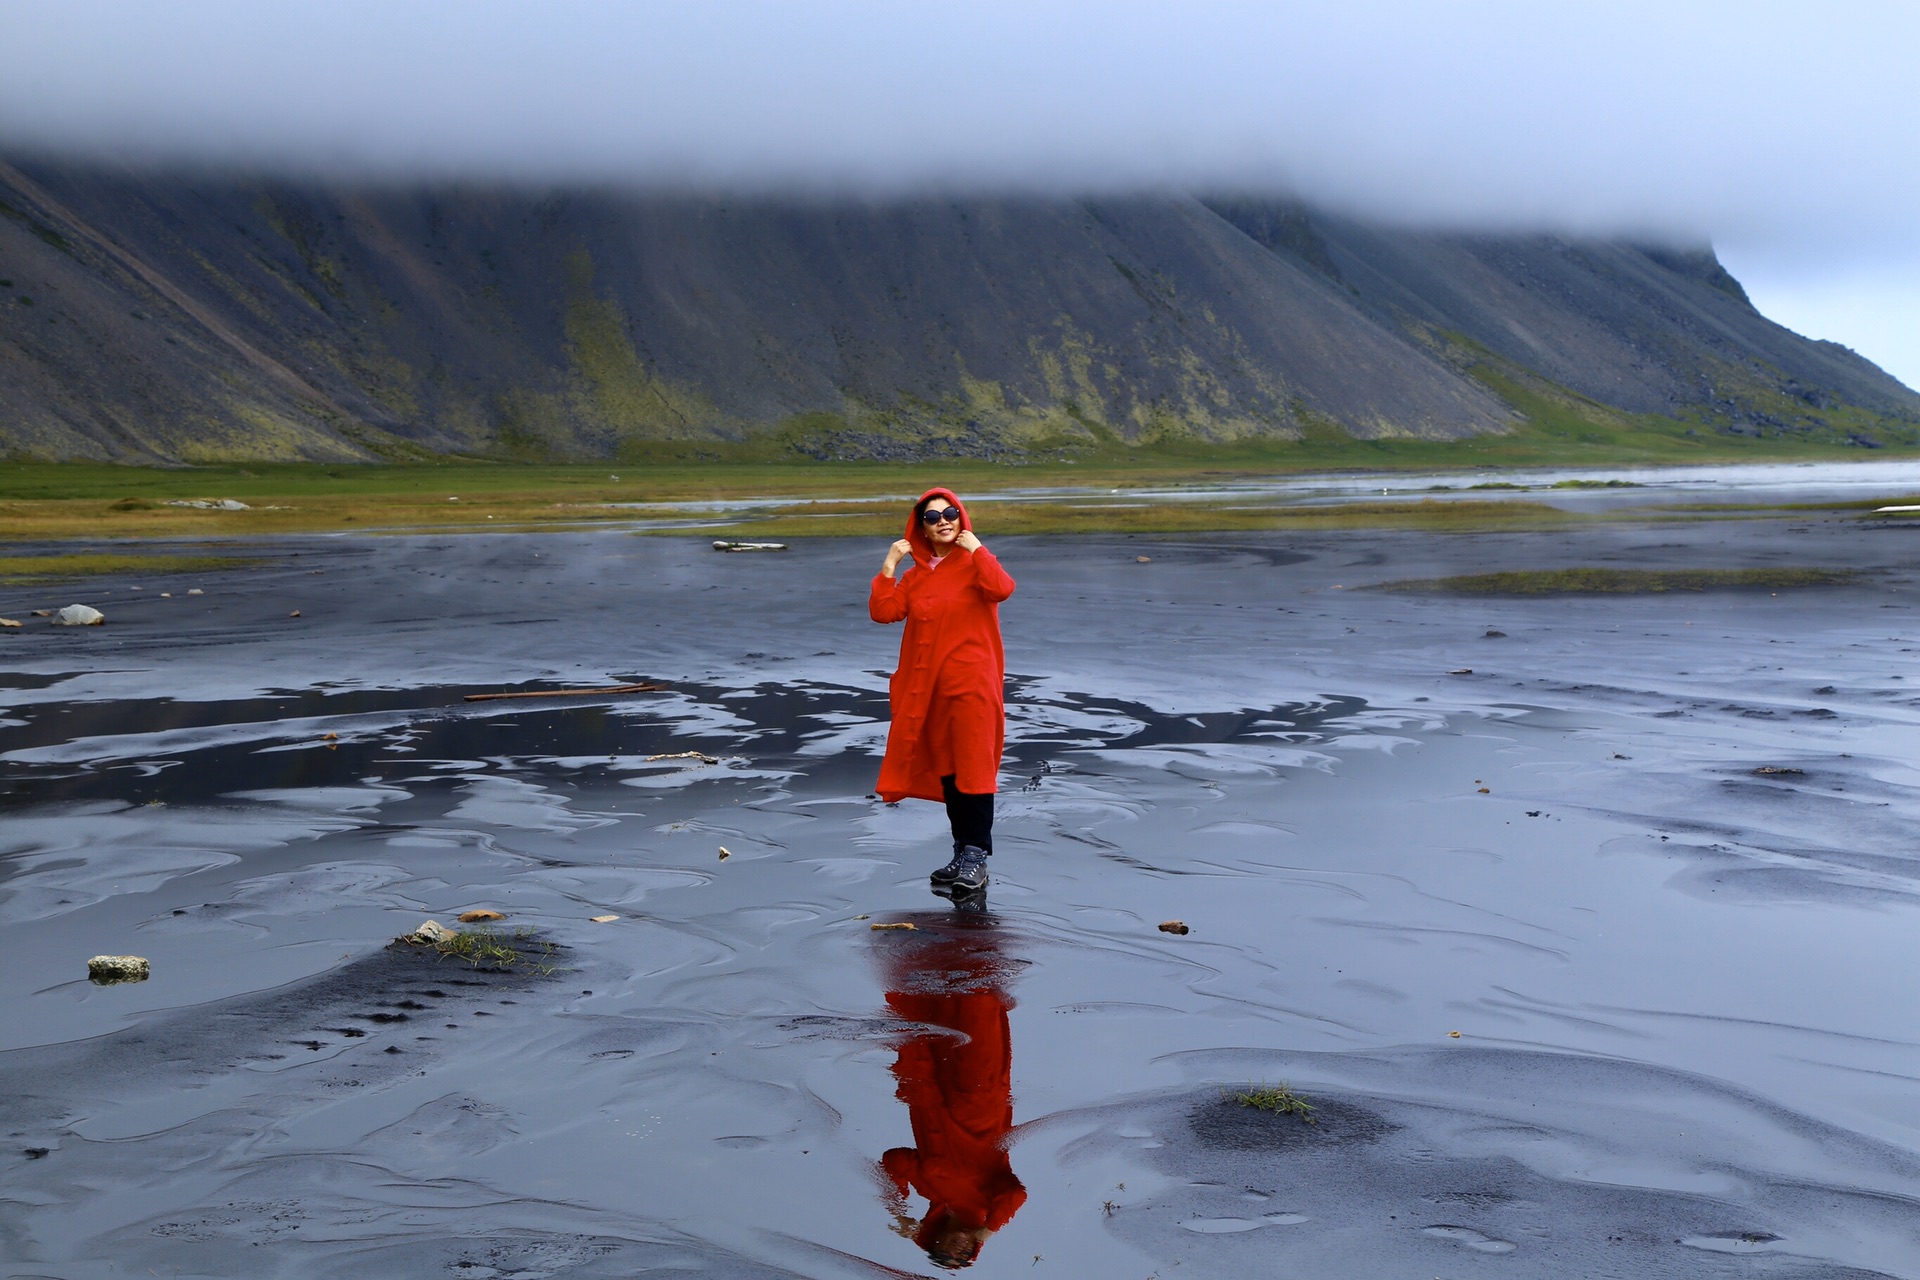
x: 724, y: 545
x: 568, y: 693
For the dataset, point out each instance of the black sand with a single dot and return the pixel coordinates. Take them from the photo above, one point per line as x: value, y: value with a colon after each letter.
x: 1674, y: 932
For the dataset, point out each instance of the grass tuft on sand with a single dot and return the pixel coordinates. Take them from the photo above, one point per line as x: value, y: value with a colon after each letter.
x: 1275, y: 1098
x: 484, y: 948
x: 1543, y: 582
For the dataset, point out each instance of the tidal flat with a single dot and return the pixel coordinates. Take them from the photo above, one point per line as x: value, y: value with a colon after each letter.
x: 1583, y: 922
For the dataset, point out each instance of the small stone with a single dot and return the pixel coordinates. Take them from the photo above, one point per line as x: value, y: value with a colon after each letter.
x: 725, y: 853
x: 294, y: 614
x: 195, y: 591
x: 110, y: 969
x: 1461, y: 671
x: 79, y: 615
x: 430, y: 933
x: 1495, y: 635
x: 1174, y: 926
x: 9, y: 622
x: 475, y: 917
x: 1143, y: 559
x: 603, y: 919
x: 1453, y: 1035
x: 903, y: 924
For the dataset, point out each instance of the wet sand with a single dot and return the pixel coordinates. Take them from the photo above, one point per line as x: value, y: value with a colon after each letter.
x: 1682, y: 987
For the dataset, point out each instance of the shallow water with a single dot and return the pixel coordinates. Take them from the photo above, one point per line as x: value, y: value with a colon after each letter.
x: 1569, y: 488
x: 1680, y: 985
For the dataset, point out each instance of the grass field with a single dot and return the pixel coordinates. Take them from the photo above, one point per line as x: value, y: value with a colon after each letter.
x: 90, y: 501
x: 23, y: 570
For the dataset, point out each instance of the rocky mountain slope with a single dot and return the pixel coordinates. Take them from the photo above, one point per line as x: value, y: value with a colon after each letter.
x: 177, y: 318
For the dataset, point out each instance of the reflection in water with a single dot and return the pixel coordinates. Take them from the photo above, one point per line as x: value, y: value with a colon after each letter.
x: 955, y: 1072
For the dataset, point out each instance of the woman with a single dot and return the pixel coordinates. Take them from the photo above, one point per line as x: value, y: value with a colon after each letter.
x: 949, y: 714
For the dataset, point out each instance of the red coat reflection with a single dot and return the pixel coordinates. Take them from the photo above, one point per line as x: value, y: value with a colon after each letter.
x: 957, y: 1084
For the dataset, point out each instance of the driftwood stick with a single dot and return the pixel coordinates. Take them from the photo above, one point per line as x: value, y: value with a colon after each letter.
x: 569, y: 693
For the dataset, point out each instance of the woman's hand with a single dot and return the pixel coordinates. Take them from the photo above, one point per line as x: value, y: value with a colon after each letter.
x: 895, y: 554
x: 967, y: 540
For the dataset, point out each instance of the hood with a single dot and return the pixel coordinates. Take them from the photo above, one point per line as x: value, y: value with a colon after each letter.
x: 916, y: 535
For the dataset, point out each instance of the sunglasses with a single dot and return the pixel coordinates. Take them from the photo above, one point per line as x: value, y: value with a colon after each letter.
x: 930, y: 516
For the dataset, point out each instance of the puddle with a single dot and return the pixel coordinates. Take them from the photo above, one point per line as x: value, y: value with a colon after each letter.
x: 1467, y: 1237
x: 1739, y: 1242
x: 1230, y: 1226
x: 1572, y: 488
x: 1672, y: 960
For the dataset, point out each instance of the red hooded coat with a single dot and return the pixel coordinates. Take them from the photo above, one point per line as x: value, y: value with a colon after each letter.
x: 947, y: 697
x: 959, y: 1096
x: 957, y: 1081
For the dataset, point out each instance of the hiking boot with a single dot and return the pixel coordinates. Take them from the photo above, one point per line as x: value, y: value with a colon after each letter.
x: 969, y: 870
x: 944, y: 875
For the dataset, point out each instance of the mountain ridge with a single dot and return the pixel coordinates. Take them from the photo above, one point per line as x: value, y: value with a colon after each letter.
x: 153, y: 318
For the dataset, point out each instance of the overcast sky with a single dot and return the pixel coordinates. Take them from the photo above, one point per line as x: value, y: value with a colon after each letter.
x: 1787, y: 133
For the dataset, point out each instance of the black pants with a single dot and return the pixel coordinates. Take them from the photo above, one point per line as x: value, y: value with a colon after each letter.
x: 970, y: 816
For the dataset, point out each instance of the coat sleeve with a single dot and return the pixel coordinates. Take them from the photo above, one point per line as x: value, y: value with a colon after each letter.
x: 1005, y: 1203
x: 887, y: 601
x: 902, y: 1164
x: 994, y: 582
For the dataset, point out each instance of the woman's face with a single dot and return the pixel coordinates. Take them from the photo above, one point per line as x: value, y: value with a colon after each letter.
x: 940, y: 532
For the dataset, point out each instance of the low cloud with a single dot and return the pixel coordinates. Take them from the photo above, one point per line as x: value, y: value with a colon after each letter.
x: 1770, y: 123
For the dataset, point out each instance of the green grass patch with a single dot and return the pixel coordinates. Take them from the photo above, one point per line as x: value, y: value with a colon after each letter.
x: 1275, y: 1098
x: 523, y: 949
x: 1115, y: 515
x: 1544, y: 582
x: 17, y: 570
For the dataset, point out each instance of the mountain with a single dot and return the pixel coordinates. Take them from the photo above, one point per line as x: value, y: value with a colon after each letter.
x: 148, y: 317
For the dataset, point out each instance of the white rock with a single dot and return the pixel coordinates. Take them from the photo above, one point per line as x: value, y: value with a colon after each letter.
x: 430, y: 932
x: 119, y: 969
x: 79, y: 615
